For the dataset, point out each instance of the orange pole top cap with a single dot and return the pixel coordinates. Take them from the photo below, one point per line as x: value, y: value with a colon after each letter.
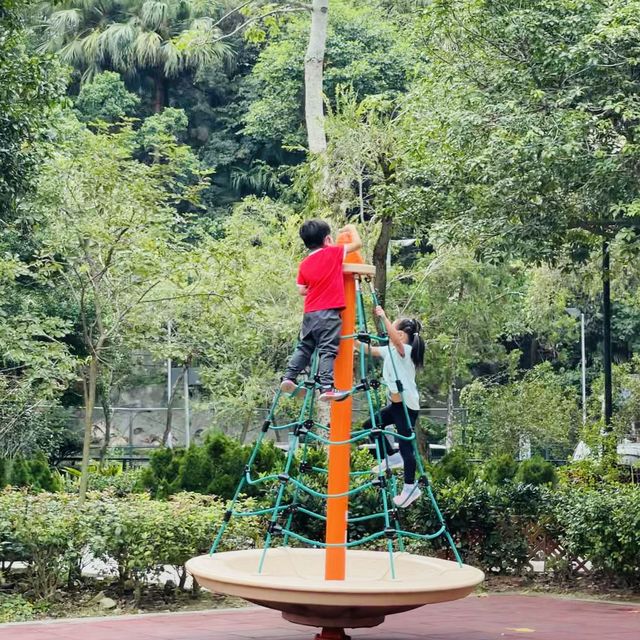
x: 354, y: 257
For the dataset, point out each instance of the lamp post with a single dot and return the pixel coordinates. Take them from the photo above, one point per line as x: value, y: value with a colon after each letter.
x: 576, y: 313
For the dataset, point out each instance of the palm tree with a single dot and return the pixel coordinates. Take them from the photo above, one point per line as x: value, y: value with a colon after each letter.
x: 161, y: 37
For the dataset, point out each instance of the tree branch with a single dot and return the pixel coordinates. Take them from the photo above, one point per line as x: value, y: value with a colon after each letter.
x: 293, y: 3
x: 230, y: 13
x: 603, y: 223
x: 244, y: 25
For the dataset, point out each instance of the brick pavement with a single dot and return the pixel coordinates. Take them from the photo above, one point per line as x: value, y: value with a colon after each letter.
x: 493, y: 617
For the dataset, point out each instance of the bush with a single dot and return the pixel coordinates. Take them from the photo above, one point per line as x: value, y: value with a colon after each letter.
x: 14, y: 608
x: 33, y: 473
x: 500, y: 469
x: 454, y: 466
x: 603, y: 526
x: 214, y: 467
x: 47, y: 532
x: 135, y: 535
x: 487, y: 522
x: 141, y: 535
x: 111, y: 477
x: 536, y: 471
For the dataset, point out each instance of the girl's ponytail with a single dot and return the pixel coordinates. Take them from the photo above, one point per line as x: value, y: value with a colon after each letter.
x: 417, y: 345
x: 413, y: 328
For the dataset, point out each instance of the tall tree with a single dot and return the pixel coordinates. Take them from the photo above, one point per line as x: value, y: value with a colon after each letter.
x: 108, y: 237
x: 30, y: 85
x: 34, y: 361
x: 161, y: 38
x: 36, y: 365
x: 362, y: 159
x: 527, y: 143
x: 313, y: 77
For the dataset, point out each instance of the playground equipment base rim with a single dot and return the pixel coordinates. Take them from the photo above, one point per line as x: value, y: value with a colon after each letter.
x: 292, y: 582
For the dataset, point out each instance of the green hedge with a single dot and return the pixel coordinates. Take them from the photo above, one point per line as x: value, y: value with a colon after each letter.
x: 490, y: 522
x: 603, y: 525
x: 212, y: 468
x: 34, y: 473
x: 487, y: 521
x: 52, y: 533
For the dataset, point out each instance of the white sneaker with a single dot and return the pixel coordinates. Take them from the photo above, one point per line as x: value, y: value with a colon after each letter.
x: 394, y: 461
x: 333, y: 395
x: 409, y: 494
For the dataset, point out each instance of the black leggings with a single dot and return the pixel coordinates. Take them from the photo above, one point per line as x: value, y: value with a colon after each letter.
x: 394, y: 414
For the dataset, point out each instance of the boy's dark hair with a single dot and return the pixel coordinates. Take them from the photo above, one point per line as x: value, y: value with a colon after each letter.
x: 412, y: 328
x: 313, y: 233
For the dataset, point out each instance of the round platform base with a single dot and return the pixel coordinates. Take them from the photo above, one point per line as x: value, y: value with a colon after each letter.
x: 292, y: 581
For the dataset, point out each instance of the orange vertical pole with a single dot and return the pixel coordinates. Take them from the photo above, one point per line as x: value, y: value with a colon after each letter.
x: 340, y: 430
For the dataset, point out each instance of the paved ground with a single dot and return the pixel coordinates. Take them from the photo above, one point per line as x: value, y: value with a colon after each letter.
x: 495, y: 617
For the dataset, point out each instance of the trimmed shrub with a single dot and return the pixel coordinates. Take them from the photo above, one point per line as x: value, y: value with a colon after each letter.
x: 536, y: 471
x: 33, y: 473
x: 454, y: 466
x: 603, y: 526
x: 487, y: 522
x: 141, y: 535
x: 500, y: 469
x: 213, y: 468
x: 44, y: 530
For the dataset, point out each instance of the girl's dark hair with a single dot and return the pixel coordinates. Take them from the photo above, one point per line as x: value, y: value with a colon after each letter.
x: 412, y: 328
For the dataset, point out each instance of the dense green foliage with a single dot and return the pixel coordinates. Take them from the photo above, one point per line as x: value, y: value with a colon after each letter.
x: 490, y: 523
x: 153, y: 212
x: 50, y: 532
x: 537, y: 407
x: 106, y: 99
x: 30, y: 84
x: 213, y: 468
x: 364, y: 53
x: 34, y: 473
x: 602, y: 525
x: 136, y: 222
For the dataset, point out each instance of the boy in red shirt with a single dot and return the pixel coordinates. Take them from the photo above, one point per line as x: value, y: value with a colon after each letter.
x: 321, y: 282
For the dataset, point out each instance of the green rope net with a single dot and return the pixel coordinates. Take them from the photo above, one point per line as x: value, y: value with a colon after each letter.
x: 292, y: 493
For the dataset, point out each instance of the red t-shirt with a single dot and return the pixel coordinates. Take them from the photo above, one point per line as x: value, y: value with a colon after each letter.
x: 321, y: 273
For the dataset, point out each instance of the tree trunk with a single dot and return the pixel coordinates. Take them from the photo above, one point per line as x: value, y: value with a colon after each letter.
x: 105, y: 401
x: 449, y: 442
x: 381, y: 248
x: 90, y: 382
x: 313, y: 77
x: 245, y: 429
x: 169, y: 422
x: 380, y: 251
x: 606, y: 334
x: 162, y: 93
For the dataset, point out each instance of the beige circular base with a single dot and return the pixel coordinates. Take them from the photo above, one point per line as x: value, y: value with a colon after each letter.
x: 292, y: 581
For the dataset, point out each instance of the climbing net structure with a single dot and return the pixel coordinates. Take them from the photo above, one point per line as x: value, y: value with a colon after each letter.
x: 293, y: 490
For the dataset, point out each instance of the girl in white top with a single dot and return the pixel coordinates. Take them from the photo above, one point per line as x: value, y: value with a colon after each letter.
x: 400, y: 359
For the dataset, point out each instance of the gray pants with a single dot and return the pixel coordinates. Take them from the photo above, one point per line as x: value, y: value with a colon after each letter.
x: 320, y: 330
